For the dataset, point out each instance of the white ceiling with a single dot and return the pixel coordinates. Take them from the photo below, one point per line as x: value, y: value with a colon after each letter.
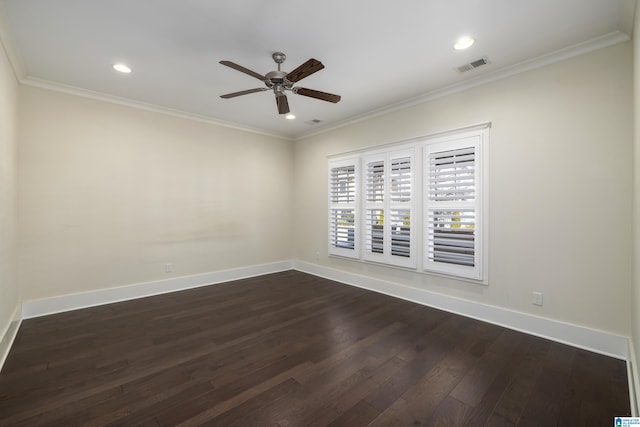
x: 377, y: 54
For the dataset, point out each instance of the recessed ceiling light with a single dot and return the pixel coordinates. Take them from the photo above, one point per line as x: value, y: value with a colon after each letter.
x: 122, y: 68
x: 464, y: 43
x: 290, y: 116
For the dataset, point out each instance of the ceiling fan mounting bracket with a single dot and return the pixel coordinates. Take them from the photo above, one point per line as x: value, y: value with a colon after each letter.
x: 279, y: 58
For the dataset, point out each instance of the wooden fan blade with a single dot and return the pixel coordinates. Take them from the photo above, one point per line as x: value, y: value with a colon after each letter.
x: 283, y: 104
x: 243, y: 92
x: 324, y: 96
x: 305, y: 70
x: 243, y: 69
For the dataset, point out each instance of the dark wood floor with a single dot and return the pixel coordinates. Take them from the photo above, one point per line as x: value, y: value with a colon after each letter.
x: 290, y: 349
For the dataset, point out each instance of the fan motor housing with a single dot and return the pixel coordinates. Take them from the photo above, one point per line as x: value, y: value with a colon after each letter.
x: 276, y: 76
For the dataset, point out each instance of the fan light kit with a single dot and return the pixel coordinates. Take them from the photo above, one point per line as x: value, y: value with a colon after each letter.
x: 280, y: 81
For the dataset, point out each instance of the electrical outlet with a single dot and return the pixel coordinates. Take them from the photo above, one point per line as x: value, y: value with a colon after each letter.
x: 168, y: 267
x: 537, y: 298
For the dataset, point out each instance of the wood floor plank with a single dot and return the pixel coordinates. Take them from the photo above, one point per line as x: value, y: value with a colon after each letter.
x: 473, y: 387
x: 510, y: 370
x: 361, y: 414
x: 210, y: 414
x: 293, y: 349
x: 341, y: 403
x: 417, y: 404
x: 323, y: 391
x: 450, y: 412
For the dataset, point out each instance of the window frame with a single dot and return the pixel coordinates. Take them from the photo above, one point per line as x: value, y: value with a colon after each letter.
x: 419, y: 205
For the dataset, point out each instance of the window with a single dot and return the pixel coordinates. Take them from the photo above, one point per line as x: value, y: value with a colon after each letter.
x: 342, y: 208
x: 388, y: 208
x: 453, y: 199
x: 435, y: 224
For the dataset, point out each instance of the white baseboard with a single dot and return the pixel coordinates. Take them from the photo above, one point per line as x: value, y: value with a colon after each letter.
x: 577, y: 336
x: 9, y: 335
x: 597, y: 341
x: 633, y: 375
x: 59, y: 304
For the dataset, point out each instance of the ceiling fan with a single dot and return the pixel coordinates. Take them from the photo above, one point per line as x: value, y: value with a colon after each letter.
x: 281, y: 81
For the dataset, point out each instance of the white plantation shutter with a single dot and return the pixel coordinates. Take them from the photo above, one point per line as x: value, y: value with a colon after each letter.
x: 374, y: 182
x: 401, y: 208
x: 400, y: 190
x: 389, y: 208
x: 342, y: 208
x: 379, y: 213
x: 374, y: 231
x: 453, y: 206
x: 401, y: 242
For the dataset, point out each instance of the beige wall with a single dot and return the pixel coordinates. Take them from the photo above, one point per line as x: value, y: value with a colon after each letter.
x: 8, y: 142
x: 560, y: 181
x: 108, y: 194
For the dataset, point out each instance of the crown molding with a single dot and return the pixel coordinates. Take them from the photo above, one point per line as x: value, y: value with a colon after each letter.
x: 553, y: 57
x: 6, y: 42
x: 524, y: 66
x: 99, y: 96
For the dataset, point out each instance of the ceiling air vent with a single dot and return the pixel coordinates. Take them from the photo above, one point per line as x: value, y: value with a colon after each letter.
x: 314, y: 122
x: 472, y: 65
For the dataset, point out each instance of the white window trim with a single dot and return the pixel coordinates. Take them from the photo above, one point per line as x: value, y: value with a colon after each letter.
x: 419, y: 200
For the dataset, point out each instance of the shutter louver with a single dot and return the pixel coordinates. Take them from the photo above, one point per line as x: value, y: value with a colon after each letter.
x: 342, y: 222
x: 401, y: 232
x: 452, y: 175
x: 374, y: 225
x: 389, y: 208
x: 342, y: 210
x: 452, y: 239
x: 451, y: 214
x: 375, y: 182
x: 401, y: 180
x: 400, y: 219
x: 343, y: 184
x: 375, y: 208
